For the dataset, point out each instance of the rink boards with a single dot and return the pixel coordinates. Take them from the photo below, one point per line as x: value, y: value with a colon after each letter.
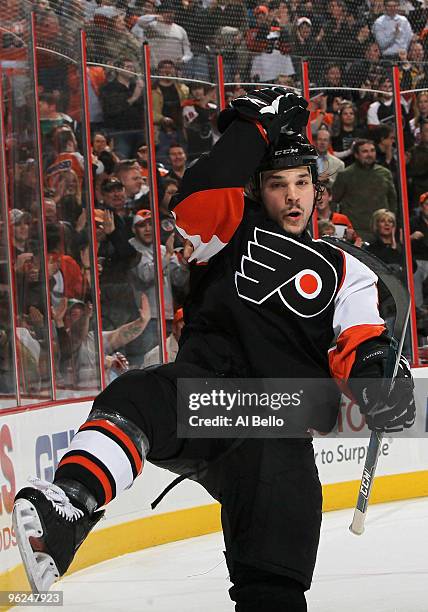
x: 33, y: 442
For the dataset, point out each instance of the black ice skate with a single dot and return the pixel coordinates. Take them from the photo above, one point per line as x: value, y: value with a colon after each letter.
x: 49, y: 530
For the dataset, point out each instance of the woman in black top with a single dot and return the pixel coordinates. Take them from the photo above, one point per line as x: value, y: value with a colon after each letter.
x: 345, y: 133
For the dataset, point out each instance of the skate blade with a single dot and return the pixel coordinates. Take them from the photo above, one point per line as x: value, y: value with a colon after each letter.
x: 39, y: 566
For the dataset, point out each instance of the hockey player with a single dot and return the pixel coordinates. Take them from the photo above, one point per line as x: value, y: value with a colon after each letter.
x: 268, y: 302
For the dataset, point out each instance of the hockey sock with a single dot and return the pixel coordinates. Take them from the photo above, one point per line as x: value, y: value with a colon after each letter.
x: 105, y: 456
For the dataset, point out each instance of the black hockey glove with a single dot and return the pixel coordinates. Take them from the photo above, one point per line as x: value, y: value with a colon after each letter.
x: 385, y: 411
x: 274, y: 108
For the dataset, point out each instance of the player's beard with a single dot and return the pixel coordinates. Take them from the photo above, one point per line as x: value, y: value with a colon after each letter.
x: 294, y: 225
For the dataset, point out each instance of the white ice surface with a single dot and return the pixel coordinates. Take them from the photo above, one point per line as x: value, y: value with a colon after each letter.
x: 384, y: 570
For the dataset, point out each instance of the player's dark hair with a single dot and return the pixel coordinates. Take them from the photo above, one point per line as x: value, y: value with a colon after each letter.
x: 287, y: 152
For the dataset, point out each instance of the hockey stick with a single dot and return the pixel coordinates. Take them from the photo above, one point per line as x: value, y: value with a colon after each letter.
x: 401, y: 298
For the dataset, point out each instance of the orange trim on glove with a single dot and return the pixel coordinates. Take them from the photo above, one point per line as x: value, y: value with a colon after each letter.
x: 342, y: 357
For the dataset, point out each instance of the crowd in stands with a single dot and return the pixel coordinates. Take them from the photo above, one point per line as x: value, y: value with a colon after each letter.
x: 350, y: 47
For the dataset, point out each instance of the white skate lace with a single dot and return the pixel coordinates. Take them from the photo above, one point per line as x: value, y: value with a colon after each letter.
x: 58, y: 499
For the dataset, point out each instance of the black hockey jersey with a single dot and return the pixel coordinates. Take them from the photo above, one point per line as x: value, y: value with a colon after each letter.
x: 262, y: 302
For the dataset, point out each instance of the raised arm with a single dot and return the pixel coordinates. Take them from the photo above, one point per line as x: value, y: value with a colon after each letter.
x: 210, y: 205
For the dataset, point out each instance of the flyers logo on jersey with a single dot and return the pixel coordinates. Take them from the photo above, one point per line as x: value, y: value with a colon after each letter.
x: 304, y: 280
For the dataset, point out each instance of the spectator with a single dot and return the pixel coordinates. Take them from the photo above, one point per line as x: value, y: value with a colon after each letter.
x: 312, y: 11
x: 177, y: 159
x: 342, y: 226
x: 123, y: 108
x: 64, y: 157
x: 153, y: 356
x: 256, y: 37
x: 364, y: 187
x: 20, y: 222
x: 306, y: 44
x: 143, y: 163
x: 365, y: 73
x: 170, y: 189
x: 143, y: 275
x: 345, y: 133
x: 273, y: 45
x: 197, y: 119
x: 64, y: 272
x: 101, y: 149
x: 417, y: 167
x: 66, y: 230
x: 194, y: 18
x: 328, y: 165
x: 335, y: 32
x: 168, y: 95
x: 230, y: 43
x: 420, y: 115
x: 228, y: 13
x: 326, y: 228
x: 418, y: 17
x: 116, y: 258
x: 108, y: 38
x: 333, y: 79
x: 67, y: 194
x: 79, y: 354
x: 136, y: 191
x: 360, y: 38
x: 267, y: 66
x: 167, y: 39
x: 412, y: 68
x: 382, y: 110
x: 25, y: 190
x: 419, y: 238
x: 385, y: 246
x: 319, y: 116
x: 281, y: 15
x: 167, y: 221
x: 384, y: 139
x: 392, y: 31
x: 51, y: 74
x: 101, y: 145
x: 50, y: 117
x: 113, y: 196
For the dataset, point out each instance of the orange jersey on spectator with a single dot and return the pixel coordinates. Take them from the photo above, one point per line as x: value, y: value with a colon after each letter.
x: 339, y: 219
x: 97, y: 79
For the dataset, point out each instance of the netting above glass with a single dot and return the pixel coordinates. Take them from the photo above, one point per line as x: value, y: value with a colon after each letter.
x: 257, y: 40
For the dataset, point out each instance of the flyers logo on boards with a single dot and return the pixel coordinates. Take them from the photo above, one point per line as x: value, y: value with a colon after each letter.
x: 304, y: 280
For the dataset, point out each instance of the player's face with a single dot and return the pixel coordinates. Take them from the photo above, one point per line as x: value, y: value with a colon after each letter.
x: 288, y: 196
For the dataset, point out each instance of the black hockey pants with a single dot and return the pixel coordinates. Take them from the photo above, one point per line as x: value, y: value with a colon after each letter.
x: 268, y: 488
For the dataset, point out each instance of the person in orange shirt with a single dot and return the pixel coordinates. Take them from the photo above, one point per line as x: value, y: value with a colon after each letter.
x: 342, y: 223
